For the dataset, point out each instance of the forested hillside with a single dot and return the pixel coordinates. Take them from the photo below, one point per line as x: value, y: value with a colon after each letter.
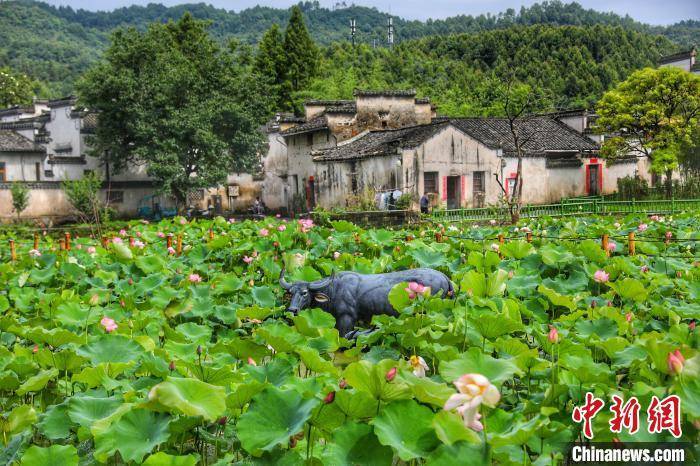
x: 55, y: 45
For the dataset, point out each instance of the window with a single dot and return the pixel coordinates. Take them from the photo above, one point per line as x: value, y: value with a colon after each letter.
x: 430, y: 182
x: 479, y: 182
x: 115, y: 197
x: 3, y: 172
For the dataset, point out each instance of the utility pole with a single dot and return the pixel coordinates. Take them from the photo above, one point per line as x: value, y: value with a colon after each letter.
x: 390, y: 32
x: 353, y: 30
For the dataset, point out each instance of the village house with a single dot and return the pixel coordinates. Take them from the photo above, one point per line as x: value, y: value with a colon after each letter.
x: 386, y: 141
x: 47, y: 143
x: 685, y: 60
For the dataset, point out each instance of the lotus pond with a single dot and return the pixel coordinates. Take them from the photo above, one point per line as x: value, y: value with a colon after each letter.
x: 133, y: 353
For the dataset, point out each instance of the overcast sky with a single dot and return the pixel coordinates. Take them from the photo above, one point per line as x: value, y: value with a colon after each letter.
x: 647, y: 11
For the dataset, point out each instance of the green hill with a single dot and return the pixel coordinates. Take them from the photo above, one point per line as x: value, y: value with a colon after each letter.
x: 55, y: 45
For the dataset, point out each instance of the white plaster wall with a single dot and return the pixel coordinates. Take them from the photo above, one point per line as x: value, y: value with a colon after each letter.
x: 275, y: 189
x: 20, y: 166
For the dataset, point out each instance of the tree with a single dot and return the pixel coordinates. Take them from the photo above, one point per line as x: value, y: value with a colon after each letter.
x: 15, y: 89
x: 301, y: 51
x: 652, y: 113
x: 173, y: 99
x: 83, y: 194
x: 20, y: 198
x: 518, y: 104
x: 270, y: 65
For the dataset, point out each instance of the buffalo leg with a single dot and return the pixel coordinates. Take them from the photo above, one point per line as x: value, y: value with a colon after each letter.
x: 345, y: 324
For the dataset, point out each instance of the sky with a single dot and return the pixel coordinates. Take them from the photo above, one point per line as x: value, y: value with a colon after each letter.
x: 646, y: 11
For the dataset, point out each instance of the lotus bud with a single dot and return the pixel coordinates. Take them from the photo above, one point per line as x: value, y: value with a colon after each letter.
x: 171, y: 366
x: 329, y: 398
x: 553, y: 335
x: 94, y: 300
x: 251, y: 361
x: 199, y: 350
x: 629, y: 317
x: 593, y: 304
x: 391, y: 374
x: 131, y: 281
x: 691, y: 326
x: 675, y: 362
x: 343, y: 384
x: 222, y: 421
x: 35, y: 349
x: 292, y: 442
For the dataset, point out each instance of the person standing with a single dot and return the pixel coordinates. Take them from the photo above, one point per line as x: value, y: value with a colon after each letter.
x: 425, y: 204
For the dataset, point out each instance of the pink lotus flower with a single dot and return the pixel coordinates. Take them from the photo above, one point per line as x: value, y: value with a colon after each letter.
x: 642, y: 227
x: 251, y: 361
x: 278, y: 216
x: 553, y: 335
x: 194, y: 278
x: 247, y: 259
x: 183, y: 221
x: 675, y: 362
x: 282, y: 227
x: 414, y: 289
x: 139, y: 244
x: 601, y: 276
x: 117, y: 240
x: 138, y: 234
x: 644, y: 269
x: 122, y: 232
x: 306, y: 224
x: 492, y: 222
x: 420, y: 367
x: 612, y: 247
x: 654, y: 218
x: 78, y: 246
x: 474, y: 390
x: 616, y: 224
x: 264, y: 232
x: 109, y: 324
x: 495, y: 247
x: 171, y: 250
x: 336, y: 255
x: 34, y: 253
x: 161, y: 234
x: 691, y: 326
x: 329, y: 398
x: 668, y: 235
x: 91, y: 250
x: 232, y: 220
x: 35, y: 349
x: 526, y: 230
x: 628, y: 317
x: 391, y: 374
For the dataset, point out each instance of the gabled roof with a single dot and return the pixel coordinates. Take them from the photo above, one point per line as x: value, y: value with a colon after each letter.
x: 686, y: 54
x: 313, y: 124
x: 383, y: 142
x: 540, y: 134
x: 385, y: 92
x: 12, y: 141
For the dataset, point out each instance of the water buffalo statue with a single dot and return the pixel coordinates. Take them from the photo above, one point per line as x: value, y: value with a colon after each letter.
x: 352, y: 297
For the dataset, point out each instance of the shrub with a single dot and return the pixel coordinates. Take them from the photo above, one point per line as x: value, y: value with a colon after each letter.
x: 20, y: 197
x: 83, y: 194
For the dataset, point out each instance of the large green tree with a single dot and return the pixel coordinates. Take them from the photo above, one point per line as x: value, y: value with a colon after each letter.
x: 652, y: 113
x: 15, y: 88
x: 173, y: 99
x: 271, y: 66
x: 301, y: 52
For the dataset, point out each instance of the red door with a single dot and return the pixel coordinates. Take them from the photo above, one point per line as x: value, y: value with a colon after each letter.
x: 594, y: 179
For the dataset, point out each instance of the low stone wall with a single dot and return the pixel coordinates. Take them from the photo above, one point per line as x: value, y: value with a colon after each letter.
x: 377, y: 218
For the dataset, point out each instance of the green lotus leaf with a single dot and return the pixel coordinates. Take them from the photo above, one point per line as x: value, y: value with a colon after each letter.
x: 601, y: 328
x: 516, y: 249
x: 111, y: 348
x: 86, y: 410
x: 428, y: 258
x: 263, y: 296
x: 37, y: 382
x: 151, y: 264
x: 55, y: 455
x: 355, y: 444
x: 282, y: 412
x: 406, y: 426
x: 448, y: 455
x: 630, y: 288
x: 122, y: 251
x: 195, y: 332
x: 474, y: 361
x: 450, y: 429
x: 135, y: 434
x: 164, y: 459
x: 17, y: 420
x: 371, y: 378
x: 53, y: 423
x: 190, y: 397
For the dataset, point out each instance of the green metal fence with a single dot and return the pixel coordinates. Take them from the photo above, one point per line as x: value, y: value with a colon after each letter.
x: 570, y: 207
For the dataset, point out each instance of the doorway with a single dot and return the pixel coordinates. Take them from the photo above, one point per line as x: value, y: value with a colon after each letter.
x: 453, y: 192
x: 594, y: 180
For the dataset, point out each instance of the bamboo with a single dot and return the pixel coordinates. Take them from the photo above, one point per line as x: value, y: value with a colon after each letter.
x: 630, y: 239
x: 179, y: 245
x: 67, y: 241
x: 131, y: 241
x: 528, y: 237
x: 105, y: 241
x: 13, y: 253
x: 170, y: 241
x: 36, y: 241
x: 211, y: 234
x: 62, y: 244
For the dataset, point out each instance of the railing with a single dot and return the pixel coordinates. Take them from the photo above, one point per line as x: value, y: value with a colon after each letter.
x: 570, y: 207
